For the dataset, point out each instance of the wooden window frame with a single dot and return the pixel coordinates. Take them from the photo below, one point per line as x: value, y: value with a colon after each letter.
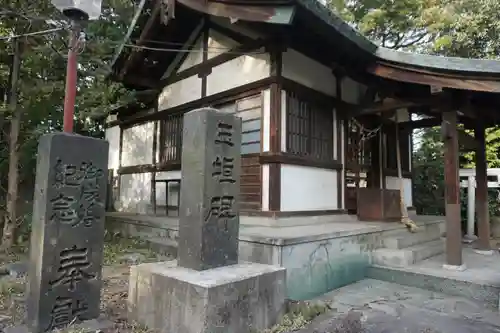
x: 169, y: 123
x: 304, y: 137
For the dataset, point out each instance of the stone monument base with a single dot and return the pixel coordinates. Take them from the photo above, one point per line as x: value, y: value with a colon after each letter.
x: 242, y: 298
x: 87, y: 326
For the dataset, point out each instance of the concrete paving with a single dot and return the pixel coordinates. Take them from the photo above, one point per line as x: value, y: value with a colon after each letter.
x: 372, y: 306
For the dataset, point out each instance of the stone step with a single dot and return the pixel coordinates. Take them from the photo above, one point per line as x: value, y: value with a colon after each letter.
x: 486, y: 293
x: 407, y: 256
x: 161, y: 245
x: 407, y: 239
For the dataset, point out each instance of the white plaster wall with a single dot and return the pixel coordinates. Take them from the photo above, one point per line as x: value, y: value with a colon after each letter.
x: 237, y: 72
x: 392, y: 183
x: 194, y: 57
x: 265, y: 187
x: 137, y: 145
x: 173, y: 190
x: 112, y: 135
x: 306, y: 71
x: 403, y: 115
x: 135, y: 193
x: 352, y: 91
x: 180, y: 92
x: 219, y: 43
x: 226, y: 23
x: 307, y: 188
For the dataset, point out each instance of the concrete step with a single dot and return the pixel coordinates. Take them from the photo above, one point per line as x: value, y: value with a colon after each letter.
x: 408, y: 256
x: 408, y: 239
x: 484, y: 292
x: 161, y: 245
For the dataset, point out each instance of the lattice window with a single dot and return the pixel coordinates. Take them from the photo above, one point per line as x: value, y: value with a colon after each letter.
x: 309, y: 128
x: 171, y: 138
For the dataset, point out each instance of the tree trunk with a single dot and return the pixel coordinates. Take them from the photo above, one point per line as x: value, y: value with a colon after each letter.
x: 10, y: 219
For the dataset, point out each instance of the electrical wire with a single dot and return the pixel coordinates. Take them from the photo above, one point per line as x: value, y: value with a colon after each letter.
x: 159, y: 42
x: 34, y: 33
x: 135, y: 46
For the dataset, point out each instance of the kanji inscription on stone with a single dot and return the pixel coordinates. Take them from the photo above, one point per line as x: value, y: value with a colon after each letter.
x: 211, y: 168
x: 64, y: 277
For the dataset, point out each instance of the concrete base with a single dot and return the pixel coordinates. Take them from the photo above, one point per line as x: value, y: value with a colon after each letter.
x: 241, y: 298
x: 318, y: 257
x: 484, y: 252
x: 458, y: 268
x: 88, y: 326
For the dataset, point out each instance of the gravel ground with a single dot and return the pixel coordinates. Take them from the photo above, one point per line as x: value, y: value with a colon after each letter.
x: 118, y: 257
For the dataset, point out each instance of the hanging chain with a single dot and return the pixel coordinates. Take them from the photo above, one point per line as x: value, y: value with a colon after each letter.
x: 366, y: 134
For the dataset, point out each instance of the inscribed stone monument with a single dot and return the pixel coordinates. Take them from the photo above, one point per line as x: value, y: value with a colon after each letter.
x: 209, y: 212
x: 67, y: 232
x: 206, y: 290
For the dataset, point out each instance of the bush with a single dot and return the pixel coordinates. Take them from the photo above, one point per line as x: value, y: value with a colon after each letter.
x: 493, y: 206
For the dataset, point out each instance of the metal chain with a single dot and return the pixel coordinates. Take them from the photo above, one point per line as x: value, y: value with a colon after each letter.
x: 366, y: 134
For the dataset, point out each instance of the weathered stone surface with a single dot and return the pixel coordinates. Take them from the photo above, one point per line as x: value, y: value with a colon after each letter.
x: 64, y: 276
x: 240, y: 298
x: 89, y: 326
x: 209, y: 212
x: 372, y: 306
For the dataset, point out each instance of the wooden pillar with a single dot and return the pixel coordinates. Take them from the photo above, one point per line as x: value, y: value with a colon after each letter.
x: 482, y: 188
x: 374, y: 173
x: 452, y: 191
x: 275, y: 50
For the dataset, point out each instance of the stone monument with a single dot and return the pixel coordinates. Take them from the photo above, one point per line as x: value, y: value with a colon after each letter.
x: 64, y: 274
x: 206, y: 290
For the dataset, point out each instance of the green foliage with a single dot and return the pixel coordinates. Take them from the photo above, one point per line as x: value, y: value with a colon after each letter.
x: 492, y: 139
x: 428, y: 181
x: 43, y: 73
x: 461, y: 28
x: 299, y: 315
x: 493, y: 206
x: 403, y: 24
x: 465, y: 28
x: 428, y: 167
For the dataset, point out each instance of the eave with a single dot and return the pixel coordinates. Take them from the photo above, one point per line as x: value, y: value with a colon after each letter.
x: 447, y: 72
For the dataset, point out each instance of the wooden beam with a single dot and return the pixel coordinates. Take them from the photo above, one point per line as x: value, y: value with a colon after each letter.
x: 223, y: 97
x: 135, y: 80
x: 425, y: 77
x: 155, y: 13
x: 205, y: 40
x: 206, y: 66
x: 267, y: 14
x: 340, y: 173
x: 234, y: 35
x: 421, y: 123
x: 275, y: 127
x: 483, y: 218
x: 452, y: 191
x: 383, y: 106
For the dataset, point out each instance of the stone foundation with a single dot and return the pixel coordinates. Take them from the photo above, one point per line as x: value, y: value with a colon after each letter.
x: 241, y: 298
x: 318, y: 258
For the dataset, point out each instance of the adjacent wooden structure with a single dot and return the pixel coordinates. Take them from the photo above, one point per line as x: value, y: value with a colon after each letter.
x: 309, y: 89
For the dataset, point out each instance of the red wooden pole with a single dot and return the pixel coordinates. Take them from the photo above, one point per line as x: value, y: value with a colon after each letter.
x: 71, y: 76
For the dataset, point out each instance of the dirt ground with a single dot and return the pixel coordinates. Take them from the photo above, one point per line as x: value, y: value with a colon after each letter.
x: 118, y: 255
